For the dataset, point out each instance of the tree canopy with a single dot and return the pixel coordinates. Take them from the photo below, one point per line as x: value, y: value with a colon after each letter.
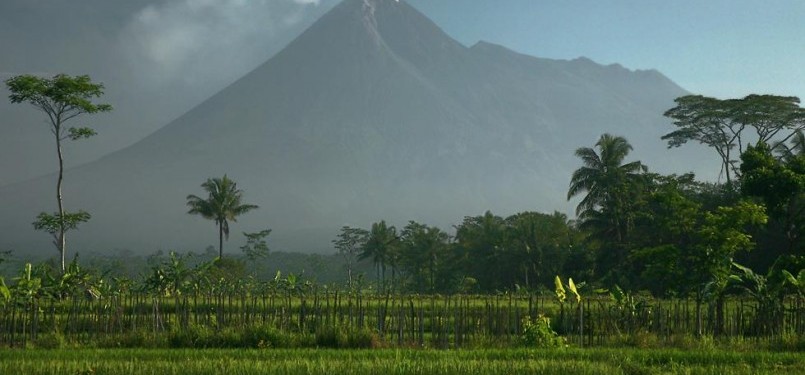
x: 222, y: 205
x: 720, y: 124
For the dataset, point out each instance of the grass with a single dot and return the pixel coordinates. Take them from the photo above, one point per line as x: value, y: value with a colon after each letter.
x: 321, y: 361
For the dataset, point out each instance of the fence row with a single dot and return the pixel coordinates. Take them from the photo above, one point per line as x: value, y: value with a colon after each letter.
x: 440, y: 321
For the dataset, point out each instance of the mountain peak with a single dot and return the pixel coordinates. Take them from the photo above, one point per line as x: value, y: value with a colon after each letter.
x: 389, y: 28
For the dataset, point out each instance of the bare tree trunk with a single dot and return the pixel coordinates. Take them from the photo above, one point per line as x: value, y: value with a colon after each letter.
x: 61, y: 240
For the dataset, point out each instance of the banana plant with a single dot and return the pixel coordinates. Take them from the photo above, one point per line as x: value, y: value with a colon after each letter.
x: 5, y: 293
x: 768, y: 296
x: 797, y: 282
x: 559, y: 290
x: 27, y: 286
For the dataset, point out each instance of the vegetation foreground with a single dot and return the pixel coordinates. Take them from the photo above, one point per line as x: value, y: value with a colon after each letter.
x: 314, y: 361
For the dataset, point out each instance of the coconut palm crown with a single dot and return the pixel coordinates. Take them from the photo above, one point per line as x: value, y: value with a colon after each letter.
x: 602, y: 175
x: 224, y: 204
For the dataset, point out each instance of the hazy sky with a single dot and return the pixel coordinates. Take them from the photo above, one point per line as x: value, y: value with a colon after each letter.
x: 159, y: 58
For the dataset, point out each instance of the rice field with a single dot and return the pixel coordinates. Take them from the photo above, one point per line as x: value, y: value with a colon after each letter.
x: 397, y: 361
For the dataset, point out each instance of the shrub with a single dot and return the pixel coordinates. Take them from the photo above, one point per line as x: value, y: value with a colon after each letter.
x: 335, y: 337
x: 538, y: 333
x: 53, y: 340
x: 265, y: 337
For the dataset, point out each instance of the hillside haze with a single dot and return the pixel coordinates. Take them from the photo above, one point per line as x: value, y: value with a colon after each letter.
x: 372, y: 113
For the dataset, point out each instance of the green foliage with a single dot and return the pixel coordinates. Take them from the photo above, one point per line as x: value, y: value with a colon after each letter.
x: 537, y: 333
x: 336, y: 337
x: 349, y: 244
x: 719, y: 124
x: 172, y: 277
x: 721, y: 236
x: 521, y: 250
x: 425, y: 256
x: 256, y: 246
x: 5, y: 293
x: 55, y: 223
x: 559, y: 290
x: 798, y: 282
x: 317, y: 361
x: 613, y: 191
x: 629, y: 310
x: 27, y: 286
x: 64, y: 95
x: 382, y: 247
x: 780, y: 184
x: 222, y: 205
x: 61, y: 98
x: 51, y: 340
x: 603, y: 177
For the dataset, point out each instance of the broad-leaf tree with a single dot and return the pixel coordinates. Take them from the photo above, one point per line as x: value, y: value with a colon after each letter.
x: 780, y: 183
x: 256, y: 246
x: 62, y: 98
x: 425, y: 253
x: 222, y: 205
x: 720, y: 124
x: 665, y: 235
x: 349, y: 244
x: 722, y: 235
x: 481, y: 240
x: 539, y: 243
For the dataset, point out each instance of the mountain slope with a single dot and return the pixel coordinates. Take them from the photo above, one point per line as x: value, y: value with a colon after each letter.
x: 372, y: 113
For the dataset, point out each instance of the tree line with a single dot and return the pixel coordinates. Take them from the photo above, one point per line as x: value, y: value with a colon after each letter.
x: 671, y: 235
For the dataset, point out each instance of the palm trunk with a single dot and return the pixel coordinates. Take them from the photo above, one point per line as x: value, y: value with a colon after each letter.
x: 220, y: 241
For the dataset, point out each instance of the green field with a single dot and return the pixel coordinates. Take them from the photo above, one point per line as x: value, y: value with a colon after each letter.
x: 319, y: 361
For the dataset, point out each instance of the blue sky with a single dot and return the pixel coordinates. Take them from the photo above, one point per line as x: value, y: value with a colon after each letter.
x: 722, y: 48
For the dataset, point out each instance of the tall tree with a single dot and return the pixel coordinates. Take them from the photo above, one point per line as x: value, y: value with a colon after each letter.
x: 62, y: 98
x: 780, y: 183
x: 223, y: 204
x: 720, y: 124
x: 539, y: 243
x: 481, y: 239
x: 379, y: 247
x: 721, y: 236
x: 349, y: 244
x: 664, y: 237
x: 608, y: 183
x: 256, y: 246
x: 613, y: 192
x: 425, y: 251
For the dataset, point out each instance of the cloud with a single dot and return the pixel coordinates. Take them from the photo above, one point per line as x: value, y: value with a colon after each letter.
x: 216, y: 40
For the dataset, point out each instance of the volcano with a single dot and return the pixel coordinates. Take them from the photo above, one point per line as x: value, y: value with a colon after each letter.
x: 372, y: 113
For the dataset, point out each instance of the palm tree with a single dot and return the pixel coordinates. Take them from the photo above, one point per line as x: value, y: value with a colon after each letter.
x: 222, y: 205
x: 380, y: 246
x: 609, y: 184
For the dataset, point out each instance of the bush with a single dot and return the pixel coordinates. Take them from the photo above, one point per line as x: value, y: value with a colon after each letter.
x: 538, y: 333
x: 265, y: 337
x: 53, y: 340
